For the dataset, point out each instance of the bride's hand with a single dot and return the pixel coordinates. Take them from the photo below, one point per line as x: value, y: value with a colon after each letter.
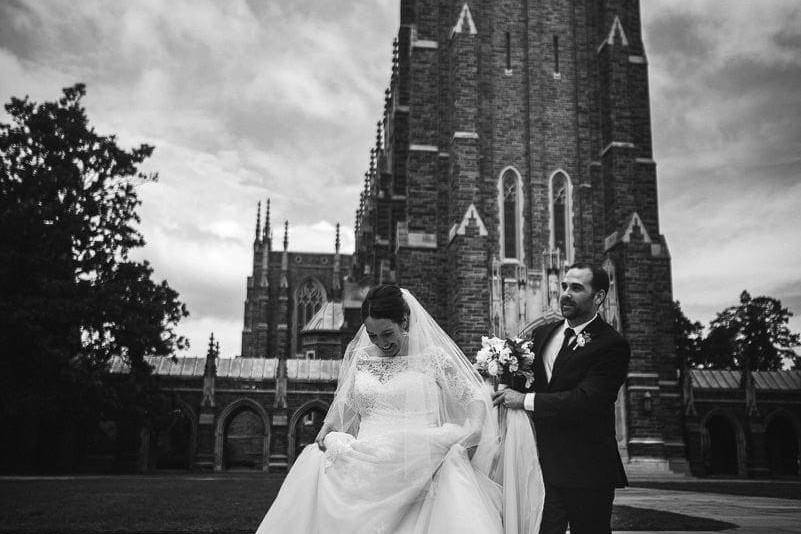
x: 320, y: 439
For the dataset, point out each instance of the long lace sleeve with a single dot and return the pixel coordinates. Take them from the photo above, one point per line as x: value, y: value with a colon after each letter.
x: 456, y: 385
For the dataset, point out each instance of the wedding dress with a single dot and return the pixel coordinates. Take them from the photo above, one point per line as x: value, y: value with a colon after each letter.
x: 404, y: 472
x: 415, y: 451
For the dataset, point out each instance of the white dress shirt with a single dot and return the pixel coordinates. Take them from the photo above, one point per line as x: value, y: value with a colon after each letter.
x: 551, y: 351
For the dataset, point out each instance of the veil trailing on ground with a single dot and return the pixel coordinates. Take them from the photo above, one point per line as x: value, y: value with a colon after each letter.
x: 465, y: 414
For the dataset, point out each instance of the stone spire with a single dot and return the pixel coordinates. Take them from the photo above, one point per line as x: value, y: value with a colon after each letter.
x: 336, y: 284
x: 210, y: 373
x: 267, y: 241
x: 285, y: 258
x: 258, y: 222
x: 267, y: 235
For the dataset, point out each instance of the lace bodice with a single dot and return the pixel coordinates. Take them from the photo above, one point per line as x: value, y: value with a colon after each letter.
x: 406, y: 389
x: 400, y: 389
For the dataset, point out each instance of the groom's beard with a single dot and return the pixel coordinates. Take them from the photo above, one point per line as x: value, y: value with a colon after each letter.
x: 569, y: 309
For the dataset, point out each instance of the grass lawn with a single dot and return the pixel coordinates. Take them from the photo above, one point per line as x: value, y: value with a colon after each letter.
x: 180, y: 503
x: 214, y: 503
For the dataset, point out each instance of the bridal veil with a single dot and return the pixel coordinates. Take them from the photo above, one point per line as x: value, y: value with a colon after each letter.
x: 463, y: 405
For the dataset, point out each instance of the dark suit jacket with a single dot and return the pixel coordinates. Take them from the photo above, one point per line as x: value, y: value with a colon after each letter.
x: 574, y: 414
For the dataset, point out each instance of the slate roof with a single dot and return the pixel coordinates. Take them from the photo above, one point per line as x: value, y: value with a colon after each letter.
x: 763, y: 380
x: 238, y: 368
x: 313, y: 370
x: 181, y: 367
x: 247, y: 368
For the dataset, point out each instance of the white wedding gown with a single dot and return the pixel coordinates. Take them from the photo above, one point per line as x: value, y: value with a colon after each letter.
x: 405, y: 471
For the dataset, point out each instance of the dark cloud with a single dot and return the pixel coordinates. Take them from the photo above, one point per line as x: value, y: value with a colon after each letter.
x: 743, y: 75
x: 679, y: 38
x: 789, y: 39
x: 16, y: 24
x: 255, y: 98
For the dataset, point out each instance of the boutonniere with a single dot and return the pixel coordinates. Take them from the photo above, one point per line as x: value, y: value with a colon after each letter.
x: 582, y: 339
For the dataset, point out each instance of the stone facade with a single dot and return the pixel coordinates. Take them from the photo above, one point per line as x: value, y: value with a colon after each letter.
x: 229, y: 413
x: 746, y: 428
x: 286, y: 289
x: 516, y: 140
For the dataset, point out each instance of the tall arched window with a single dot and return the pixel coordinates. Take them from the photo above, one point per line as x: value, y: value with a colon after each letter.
x: 561, y: 215
x: 310, y: 298
x: 510, y: 208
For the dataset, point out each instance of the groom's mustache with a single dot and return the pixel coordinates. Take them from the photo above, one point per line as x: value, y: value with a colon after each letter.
x: 564, y: 301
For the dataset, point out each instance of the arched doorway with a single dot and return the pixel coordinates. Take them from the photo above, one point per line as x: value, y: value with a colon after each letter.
x: 306, y: 423
x: 173, y: 441
x: 243, y: 440
x: 782, y: 445
x: 722, y: 457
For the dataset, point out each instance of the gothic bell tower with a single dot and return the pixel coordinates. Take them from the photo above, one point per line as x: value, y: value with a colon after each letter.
x: 515, y: 141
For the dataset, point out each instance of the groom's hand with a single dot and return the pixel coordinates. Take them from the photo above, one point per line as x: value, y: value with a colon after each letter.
x: 509, y: 398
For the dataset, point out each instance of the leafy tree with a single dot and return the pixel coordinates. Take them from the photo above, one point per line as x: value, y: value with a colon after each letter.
x: 752, y: 335
x: 687, y: 338
x: 70, y: 296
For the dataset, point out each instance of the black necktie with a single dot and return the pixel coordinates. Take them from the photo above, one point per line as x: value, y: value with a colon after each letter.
x: 569, y: 334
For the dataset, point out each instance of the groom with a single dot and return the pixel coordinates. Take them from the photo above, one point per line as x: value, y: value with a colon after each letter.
x: 581, y: 363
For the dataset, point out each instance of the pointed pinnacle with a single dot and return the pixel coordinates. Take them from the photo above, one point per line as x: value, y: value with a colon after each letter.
x: 267, y: 229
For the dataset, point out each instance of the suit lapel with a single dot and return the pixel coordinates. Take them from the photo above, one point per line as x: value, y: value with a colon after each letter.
x: 594, y: 329
x: 548, y: 332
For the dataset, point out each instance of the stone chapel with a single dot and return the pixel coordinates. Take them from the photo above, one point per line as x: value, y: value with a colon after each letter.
x: 515, y: 140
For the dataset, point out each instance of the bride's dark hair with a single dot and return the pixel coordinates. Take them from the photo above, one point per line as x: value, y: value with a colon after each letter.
x: 385, y: 301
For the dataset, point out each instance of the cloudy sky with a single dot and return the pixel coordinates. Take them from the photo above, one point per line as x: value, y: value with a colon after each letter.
x: 245, y: 99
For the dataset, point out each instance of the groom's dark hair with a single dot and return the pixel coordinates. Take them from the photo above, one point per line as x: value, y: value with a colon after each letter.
x: 385, y: 301
x: 600, y: 278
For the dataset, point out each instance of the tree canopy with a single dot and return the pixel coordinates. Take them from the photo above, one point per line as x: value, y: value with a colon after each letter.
x: 687, y: 337
x: 70, y: 295
x: 752, y: 335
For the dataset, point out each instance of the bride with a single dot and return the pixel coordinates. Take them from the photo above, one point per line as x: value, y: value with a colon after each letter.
x: 410, y: 443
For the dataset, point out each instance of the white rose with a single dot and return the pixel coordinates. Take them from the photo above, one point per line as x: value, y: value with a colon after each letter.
x: 497, y: 344
x: 485, y: 342
x: 513, y: 365
x: 492, y: 368
x: 483, y: 355
x: 505, y: 355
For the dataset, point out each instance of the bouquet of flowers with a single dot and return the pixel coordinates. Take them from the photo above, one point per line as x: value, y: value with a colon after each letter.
x: 504, y: 359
